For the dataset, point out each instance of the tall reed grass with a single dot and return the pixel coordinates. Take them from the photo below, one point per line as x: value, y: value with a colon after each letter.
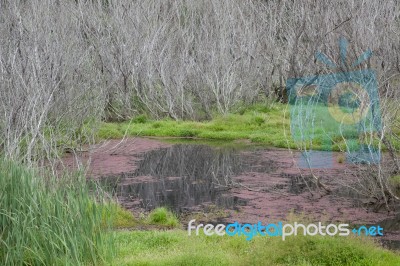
x: 46, y: 220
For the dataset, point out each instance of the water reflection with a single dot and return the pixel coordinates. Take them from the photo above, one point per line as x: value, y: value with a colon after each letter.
x: 183, y: 177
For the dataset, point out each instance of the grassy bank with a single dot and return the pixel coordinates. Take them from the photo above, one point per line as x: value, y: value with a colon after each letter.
x: 260, y: 123
x: 175, y: 247
x: 159, y: 218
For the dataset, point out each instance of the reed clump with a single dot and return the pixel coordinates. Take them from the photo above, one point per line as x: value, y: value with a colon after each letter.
x: 48, y: 220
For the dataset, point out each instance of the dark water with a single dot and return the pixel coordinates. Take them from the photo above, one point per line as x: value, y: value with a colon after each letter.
x: 391, y: 225
x: 186, y: 176
x: 190, y: 177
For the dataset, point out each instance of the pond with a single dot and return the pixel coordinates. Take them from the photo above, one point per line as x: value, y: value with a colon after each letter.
x: 244, y: 182
x: 184, y: 176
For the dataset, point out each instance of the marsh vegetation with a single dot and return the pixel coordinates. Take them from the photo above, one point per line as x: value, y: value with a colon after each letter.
x: 74, y: 73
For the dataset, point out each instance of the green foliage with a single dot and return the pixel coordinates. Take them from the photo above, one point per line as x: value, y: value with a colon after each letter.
x: 110, y: 131
x: 140, y: 119
x: 188, y: 133
x: 162, y: 216
x: 261, y: 123
x: 118, y: 217
x: 259, y: 120
x: 49, y: 220
x: 175, y: 247
x: 257, y: 123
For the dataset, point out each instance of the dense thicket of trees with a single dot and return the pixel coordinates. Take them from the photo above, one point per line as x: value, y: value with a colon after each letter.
x: 64, y: 63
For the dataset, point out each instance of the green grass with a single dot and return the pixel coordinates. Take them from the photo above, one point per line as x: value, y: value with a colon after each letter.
x: 175, y: 247
x: 50, y: 221
x: 162, y: 216
x: 257, y: 123
x: 267, y: 125
x: 121, y: 218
